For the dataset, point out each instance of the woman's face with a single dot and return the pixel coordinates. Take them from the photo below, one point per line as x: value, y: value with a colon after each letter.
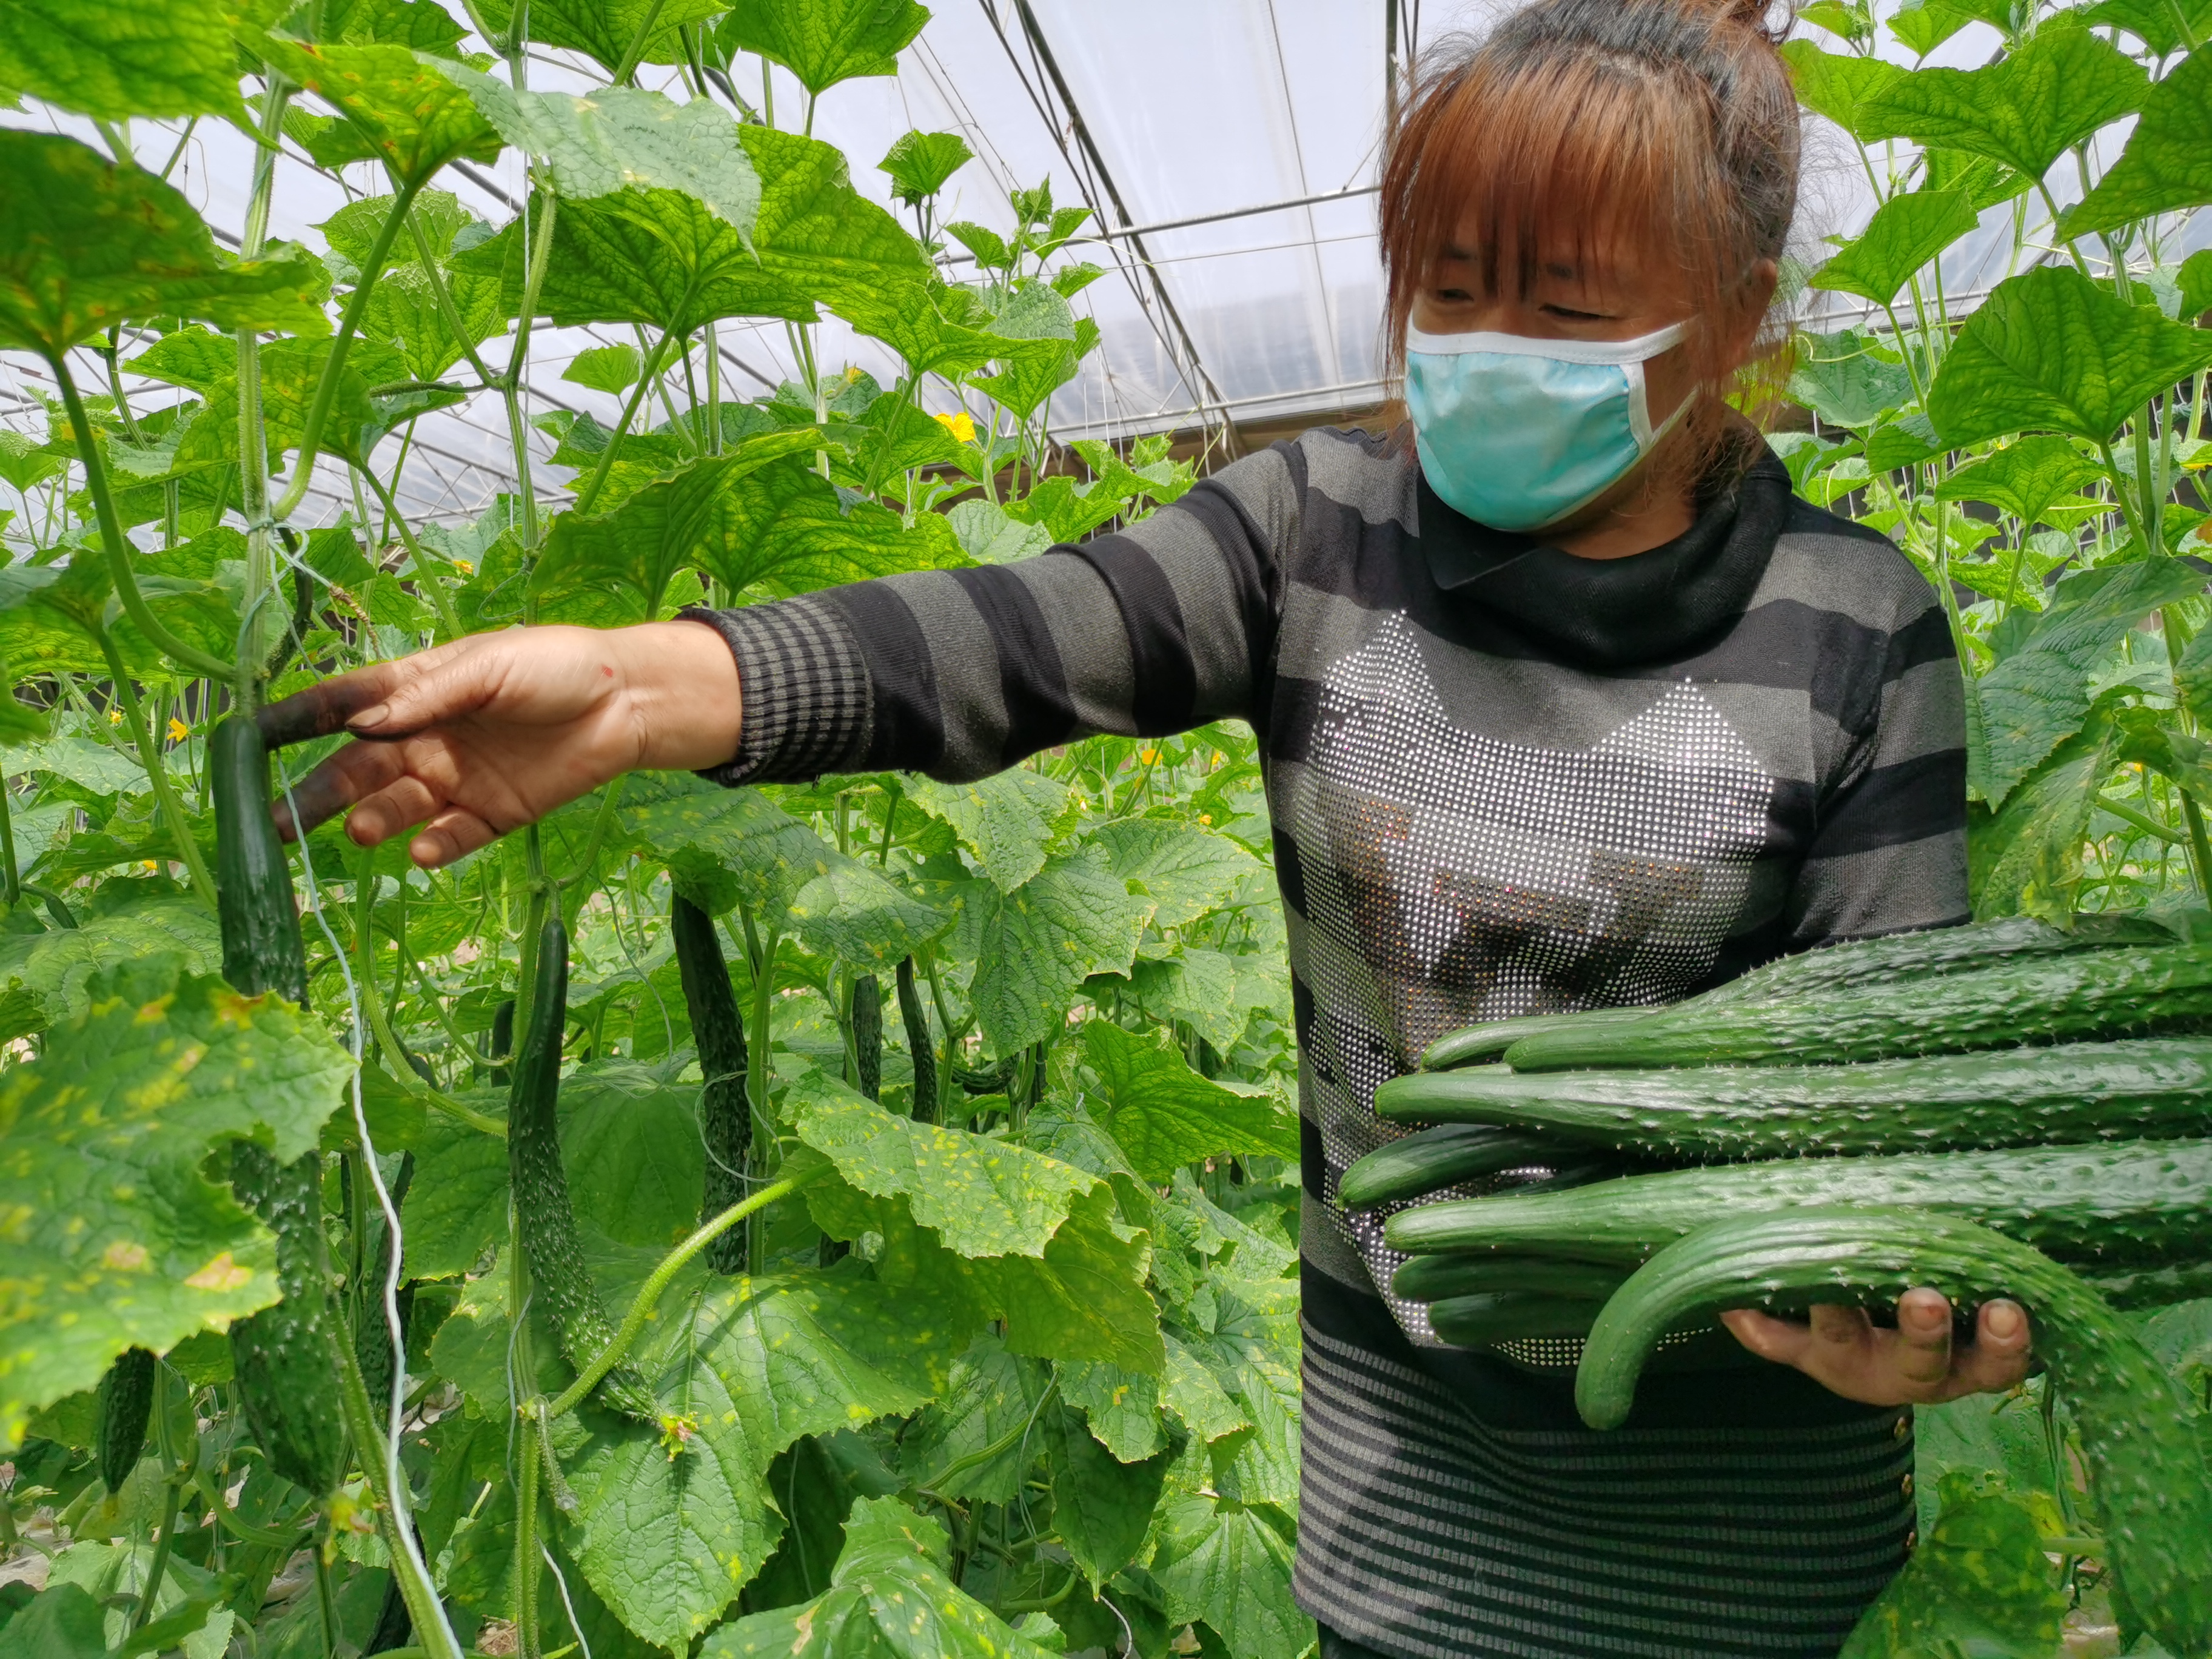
x: 1605, y: 291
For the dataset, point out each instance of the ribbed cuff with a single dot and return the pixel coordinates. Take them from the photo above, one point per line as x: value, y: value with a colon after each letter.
x: 803, y: 687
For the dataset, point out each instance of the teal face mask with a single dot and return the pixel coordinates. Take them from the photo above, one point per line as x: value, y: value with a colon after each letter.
x: 1517, y: 433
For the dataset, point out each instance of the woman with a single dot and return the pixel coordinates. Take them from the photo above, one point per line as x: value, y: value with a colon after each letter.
x: 1566, y: 700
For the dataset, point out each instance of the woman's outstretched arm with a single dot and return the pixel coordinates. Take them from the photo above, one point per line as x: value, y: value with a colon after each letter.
x: 482, y: 736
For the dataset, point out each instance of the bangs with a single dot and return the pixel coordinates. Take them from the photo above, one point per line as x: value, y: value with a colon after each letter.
x: 1621, y: 172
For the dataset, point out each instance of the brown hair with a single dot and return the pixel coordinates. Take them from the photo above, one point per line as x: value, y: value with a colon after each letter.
x: 1668, y: 125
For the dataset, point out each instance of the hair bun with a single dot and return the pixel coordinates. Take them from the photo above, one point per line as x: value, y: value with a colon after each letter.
x: 1771, y: 19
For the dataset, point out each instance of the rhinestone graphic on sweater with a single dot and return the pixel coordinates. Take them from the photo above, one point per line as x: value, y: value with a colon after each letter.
x: 1452, y: 878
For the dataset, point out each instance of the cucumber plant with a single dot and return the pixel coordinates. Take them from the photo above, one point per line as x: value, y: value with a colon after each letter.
x: 729, y: 1288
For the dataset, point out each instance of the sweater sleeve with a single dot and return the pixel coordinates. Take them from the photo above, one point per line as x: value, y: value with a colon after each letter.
x: 1888, y: 852
x: 961, y: 673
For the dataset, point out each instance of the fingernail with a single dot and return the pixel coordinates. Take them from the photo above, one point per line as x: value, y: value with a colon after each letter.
x: 369, y: 719
x: 2002, y: 1319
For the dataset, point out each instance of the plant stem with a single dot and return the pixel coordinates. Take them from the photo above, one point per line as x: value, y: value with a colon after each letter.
x: 318, y: 410
x: 426, y: 575
x: 164, y: 1535
x: 119, y: 548
x: 601, y: 821
x: 756, y: 1077
x: 649, y: 1293
x: 392, y: 1507
x: 2141, y: 820
x: 630, y: 59
x: 150, y: 757
x: 526, y: 1539
x: 592, y: 486
x: 12, y: 892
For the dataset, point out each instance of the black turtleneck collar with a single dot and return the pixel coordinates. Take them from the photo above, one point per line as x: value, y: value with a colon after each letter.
x: 1617, y: 613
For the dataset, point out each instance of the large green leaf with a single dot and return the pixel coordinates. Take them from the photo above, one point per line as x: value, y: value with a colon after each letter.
x: 1084, y: 1298
x: 1163, y: 1114
x: 855, y: 913
x: 1122, y: 1407
x: 2165, y: 164
x: 755, y: 1363
x: 2023, y: 478
x: 2157, y: 23
x: 643, y: 543
x: 2025, y: 110
x: 1033, y: 947
x: 1039, y: 313
x: 164, y: 58
x: 2052, y: 348
x: 825, y: 41
x: 2027, y: 858
x: 1230, y: 1566
x: 1905, y: 233
x: 399, y: 109
x: 115, y: 1238
x: 785, y: 529
x: 1835, y: 86
x: 621, y: 138
x: 982, y: 1197
x: 2039, y: 694
x: 1839, y: 377
x: 47, y: 975
x: 1979, y: 1583
x: 1184, y: 870
x: 422, y: 24
x: 732, y: 840
x: 403, y: 313
x: 1006, y: 822
x: 1102, y: 1508
x: 890, y: 1599
x: 86, y: 244
x: 606, y: 30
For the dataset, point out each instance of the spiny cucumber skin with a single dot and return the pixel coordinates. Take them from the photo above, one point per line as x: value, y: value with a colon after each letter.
x: 1419, y: 1164
x: 915, y: 1018
x: 2139, y: 1430
x: 2075, y: 1092
x: 2139, y: 1202
x: 1489, y: 1317
x: 2085, y: 993
x: 561, y: 1284
x: 2153, y: 1288
x: 262, y: 950
x: 1438, y: 1278
x: 126, y: 1404
x: 724, y: 1125
x: 1887, y: 961
x: 286, y: 1364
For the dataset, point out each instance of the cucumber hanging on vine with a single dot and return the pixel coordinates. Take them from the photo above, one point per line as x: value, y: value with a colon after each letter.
x: 543, y: 1215
x: 126, y: 1402
x: 287, y: 1375
x: 724, y: 1125
x: 918, y: 1045
x: 868, y: 1036
x: 372, y: 1337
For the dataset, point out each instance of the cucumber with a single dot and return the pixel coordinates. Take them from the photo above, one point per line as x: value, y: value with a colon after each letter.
x: 918, y: 1045
x: 868, y: 1015
x: 1421, y: 1163
x: 2138, y: 1203
x: 2140, y: 1431
x: 562, y: 1287
x: 1489, y: 1317
x: 2075, y: 1092
x: 372, y: 1337
x: 1887, y: 961
x: 2108, y: 994
x: 725, y: 1121
x: 1490, y: 1039
x: 1438, y: 1278
x: 284, y: 1356
x: 126, y: 1404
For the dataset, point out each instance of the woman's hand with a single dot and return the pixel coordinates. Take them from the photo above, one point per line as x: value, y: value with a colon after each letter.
x: 1915, y: 1364
x: 479, y: 737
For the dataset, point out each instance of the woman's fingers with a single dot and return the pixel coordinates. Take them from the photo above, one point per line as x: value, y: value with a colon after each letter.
x: 326, y: 706
x: 383, y: 815
x: 1915, y: 1364
x: 453, y: 834
x: 356, y: 772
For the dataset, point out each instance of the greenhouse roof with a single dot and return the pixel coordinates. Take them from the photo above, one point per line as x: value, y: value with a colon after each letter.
x: 1229, y: 150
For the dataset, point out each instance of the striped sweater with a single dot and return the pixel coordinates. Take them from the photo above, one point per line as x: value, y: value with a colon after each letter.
x: 1502, y: 780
